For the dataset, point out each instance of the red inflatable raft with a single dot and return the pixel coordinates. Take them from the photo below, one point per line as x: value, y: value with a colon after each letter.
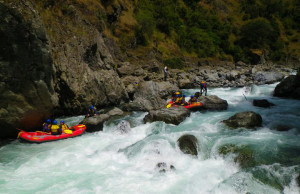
x: 192, y: 106
x: 40, y: 137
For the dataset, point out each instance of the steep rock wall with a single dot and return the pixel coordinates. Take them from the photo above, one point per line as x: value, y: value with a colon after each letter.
x: 27, y: 94
x: 50, y: 70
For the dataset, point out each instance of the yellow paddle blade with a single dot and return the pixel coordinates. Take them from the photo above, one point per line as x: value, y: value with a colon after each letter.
x: 67, y: 131
x: 169, y: 105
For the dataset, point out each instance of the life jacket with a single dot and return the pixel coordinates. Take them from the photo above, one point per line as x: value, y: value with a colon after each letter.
x: 203, y: 85
x: 194, y: 99
x: 92, y: 111
x: 64, y: 127
x: 178, y: 100
x: 46, y: 126
x: 54, y: 128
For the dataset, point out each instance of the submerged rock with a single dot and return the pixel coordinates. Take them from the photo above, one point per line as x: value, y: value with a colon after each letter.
x: 123, y: 127
x: 213, y: 102
x: 172, y: 115
x: 95, y: 123
x: 248, y: 119
x: 268, y: 178
x: 163, y: 167
x: 282, y: 128
x: 244, y: 155
x: 188, y: 144
x: 262, y: 103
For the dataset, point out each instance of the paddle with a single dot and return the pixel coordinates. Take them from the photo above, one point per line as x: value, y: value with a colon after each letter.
x: 245, y: 97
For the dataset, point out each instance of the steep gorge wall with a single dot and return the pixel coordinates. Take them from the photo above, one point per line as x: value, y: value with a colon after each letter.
x: 50, y: 70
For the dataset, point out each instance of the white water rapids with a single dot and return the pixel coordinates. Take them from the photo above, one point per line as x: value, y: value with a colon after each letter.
x: 111, y: 162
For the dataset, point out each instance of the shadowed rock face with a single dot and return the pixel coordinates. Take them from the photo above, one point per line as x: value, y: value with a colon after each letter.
x: 26, y: 91
x: 173, y: 115
x: 42, y: 76
x: 188, y: 144
x: 246, y: 119
x: 289, y: 87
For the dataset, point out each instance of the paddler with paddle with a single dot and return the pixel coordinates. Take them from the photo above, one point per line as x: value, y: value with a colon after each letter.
x: 65, y: 128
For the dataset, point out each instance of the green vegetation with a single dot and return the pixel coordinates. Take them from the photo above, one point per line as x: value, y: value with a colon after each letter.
x: 249, y: 27
x: 227, y: 30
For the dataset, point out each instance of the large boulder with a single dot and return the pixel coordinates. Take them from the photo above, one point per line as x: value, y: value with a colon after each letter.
x: 268, y: 77
x: 95, y: 123
x: 289, y: 87
x: 262, y: 103
x: 188, y: 144
x: 128, y: 69
x: 172, y: 115
x: 149, y: 96
x: 213, y: 102
x: 248, y: 119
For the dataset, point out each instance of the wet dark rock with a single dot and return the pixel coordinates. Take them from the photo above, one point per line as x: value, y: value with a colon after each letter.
x: 289, y: 87
x: 213, y: 102
x: 248, y: 119
x: 188, y: 144
x: 262, y: 103
x: 298, y: 179
x: 123, y: 127
x: 172, y: 115
x: 162, y: 167
x: 244, y: 155
x: 282, y: 128
x: 95, y: 123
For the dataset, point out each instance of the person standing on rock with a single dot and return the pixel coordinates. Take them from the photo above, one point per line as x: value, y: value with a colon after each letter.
x: 203, y: 88
x: 92, y: 111
x: 166, y: 72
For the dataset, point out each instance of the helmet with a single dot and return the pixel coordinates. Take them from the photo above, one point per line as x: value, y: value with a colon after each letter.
x: 48, y: 121
x: 192, y: 96
x: 177, y: 93
x: 91, y: 107
x: 183, y: 95
x: 62, y: 121
x: 54, y: 122
x: 202, y: 82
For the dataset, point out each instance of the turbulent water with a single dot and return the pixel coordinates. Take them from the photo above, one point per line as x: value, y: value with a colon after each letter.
x: 113, y: 162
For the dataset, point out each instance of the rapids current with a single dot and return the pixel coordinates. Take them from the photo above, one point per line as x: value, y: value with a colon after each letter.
x: 112, y: 162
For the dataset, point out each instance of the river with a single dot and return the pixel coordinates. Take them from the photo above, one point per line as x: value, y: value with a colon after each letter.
x: 111, y: 162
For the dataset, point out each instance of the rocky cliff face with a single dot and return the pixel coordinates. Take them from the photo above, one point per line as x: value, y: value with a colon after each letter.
x: 26, y: 77
x: 51, y: 71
